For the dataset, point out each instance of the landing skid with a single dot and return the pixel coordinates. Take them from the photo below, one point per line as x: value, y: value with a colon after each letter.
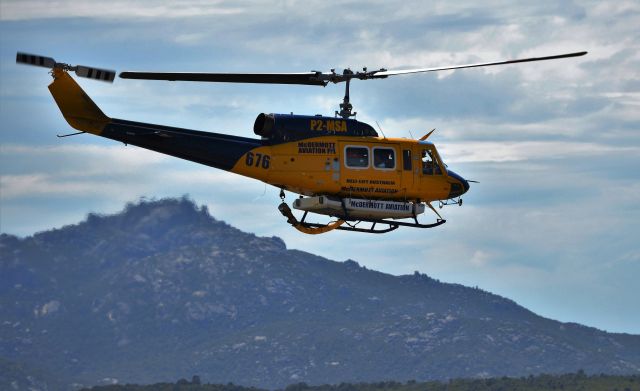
x: 349, y: 224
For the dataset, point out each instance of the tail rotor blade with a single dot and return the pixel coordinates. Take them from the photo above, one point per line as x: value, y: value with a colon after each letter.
x: 95, y: 73
x: 35, y: 60
x: 80, y: 70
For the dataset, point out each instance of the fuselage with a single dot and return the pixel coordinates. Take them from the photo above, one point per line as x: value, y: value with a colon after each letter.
x: 314, y: 155
x: 309, y: 155
x: 355, y: 167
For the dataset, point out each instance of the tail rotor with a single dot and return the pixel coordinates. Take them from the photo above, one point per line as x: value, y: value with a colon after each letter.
x: 80, y: 70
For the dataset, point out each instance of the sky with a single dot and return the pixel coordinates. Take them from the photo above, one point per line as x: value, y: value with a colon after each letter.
x: 554, y: 223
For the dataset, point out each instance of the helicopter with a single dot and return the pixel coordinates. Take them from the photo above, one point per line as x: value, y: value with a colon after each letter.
x: 339, y: 166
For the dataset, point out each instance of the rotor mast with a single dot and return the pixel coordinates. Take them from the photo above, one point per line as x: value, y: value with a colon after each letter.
x: 346, y: 106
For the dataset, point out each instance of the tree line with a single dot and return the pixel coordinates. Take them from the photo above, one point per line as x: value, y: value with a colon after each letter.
x: 578, y: 381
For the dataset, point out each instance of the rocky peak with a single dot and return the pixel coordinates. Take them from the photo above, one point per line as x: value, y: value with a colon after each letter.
x: 101, y: 299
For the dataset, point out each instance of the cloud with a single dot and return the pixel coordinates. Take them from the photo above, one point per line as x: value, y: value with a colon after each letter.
x: 88, y: 154
x: 41, y: 9
x: 86, y: 169
x: 15, y: 186
x: 554, y: 144
x: 492, y: 151
x: 42, y: 186
x: 480, y: 258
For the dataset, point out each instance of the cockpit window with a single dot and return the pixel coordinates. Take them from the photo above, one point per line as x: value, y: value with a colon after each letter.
x: 384, y: 158
x: 357, y: 157
x: 430, y: 165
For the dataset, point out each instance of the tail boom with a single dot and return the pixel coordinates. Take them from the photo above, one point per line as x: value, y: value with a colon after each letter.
x: 212, y: 149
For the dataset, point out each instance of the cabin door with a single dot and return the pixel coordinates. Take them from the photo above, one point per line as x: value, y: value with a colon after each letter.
x: 429, y: 172
x: 371, y: 171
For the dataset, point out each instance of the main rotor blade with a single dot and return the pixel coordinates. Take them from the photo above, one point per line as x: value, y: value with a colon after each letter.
x: 482, y: 64
x: 307, y: 78
x: 313, y: 78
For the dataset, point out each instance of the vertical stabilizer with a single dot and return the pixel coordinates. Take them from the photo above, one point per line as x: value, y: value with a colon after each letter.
x: 76, y: 106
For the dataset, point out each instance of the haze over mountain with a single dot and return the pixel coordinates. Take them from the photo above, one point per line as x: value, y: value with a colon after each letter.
x: 163, y: 290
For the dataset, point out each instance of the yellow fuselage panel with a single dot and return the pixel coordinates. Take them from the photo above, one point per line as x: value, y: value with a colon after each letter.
x: 321, y: 166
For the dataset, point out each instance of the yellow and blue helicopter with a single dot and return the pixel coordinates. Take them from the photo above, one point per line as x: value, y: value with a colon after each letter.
x: 340, y: 167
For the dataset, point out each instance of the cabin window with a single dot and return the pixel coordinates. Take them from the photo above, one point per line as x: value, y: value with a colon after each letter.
x: 384, y: 158
x: 357, y: 157
x: 406, y: 160
x: 430, y: 165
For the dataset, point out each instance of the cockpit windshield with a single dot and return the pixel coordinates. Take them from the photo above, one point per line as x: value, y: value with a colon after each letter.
x: 430, y: 165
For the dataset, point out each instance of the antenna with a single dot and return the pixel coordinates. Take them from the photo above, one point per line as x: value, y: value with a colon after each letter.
x: 379, y: 127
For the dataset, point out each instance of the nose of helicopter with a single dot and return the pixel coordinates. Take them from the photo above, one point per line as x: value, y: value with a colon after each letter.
x: 459, y: 185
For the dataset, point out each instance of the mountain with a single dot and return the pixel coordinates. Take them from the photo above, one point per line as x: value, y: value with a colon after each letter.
x: 163, y: 291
